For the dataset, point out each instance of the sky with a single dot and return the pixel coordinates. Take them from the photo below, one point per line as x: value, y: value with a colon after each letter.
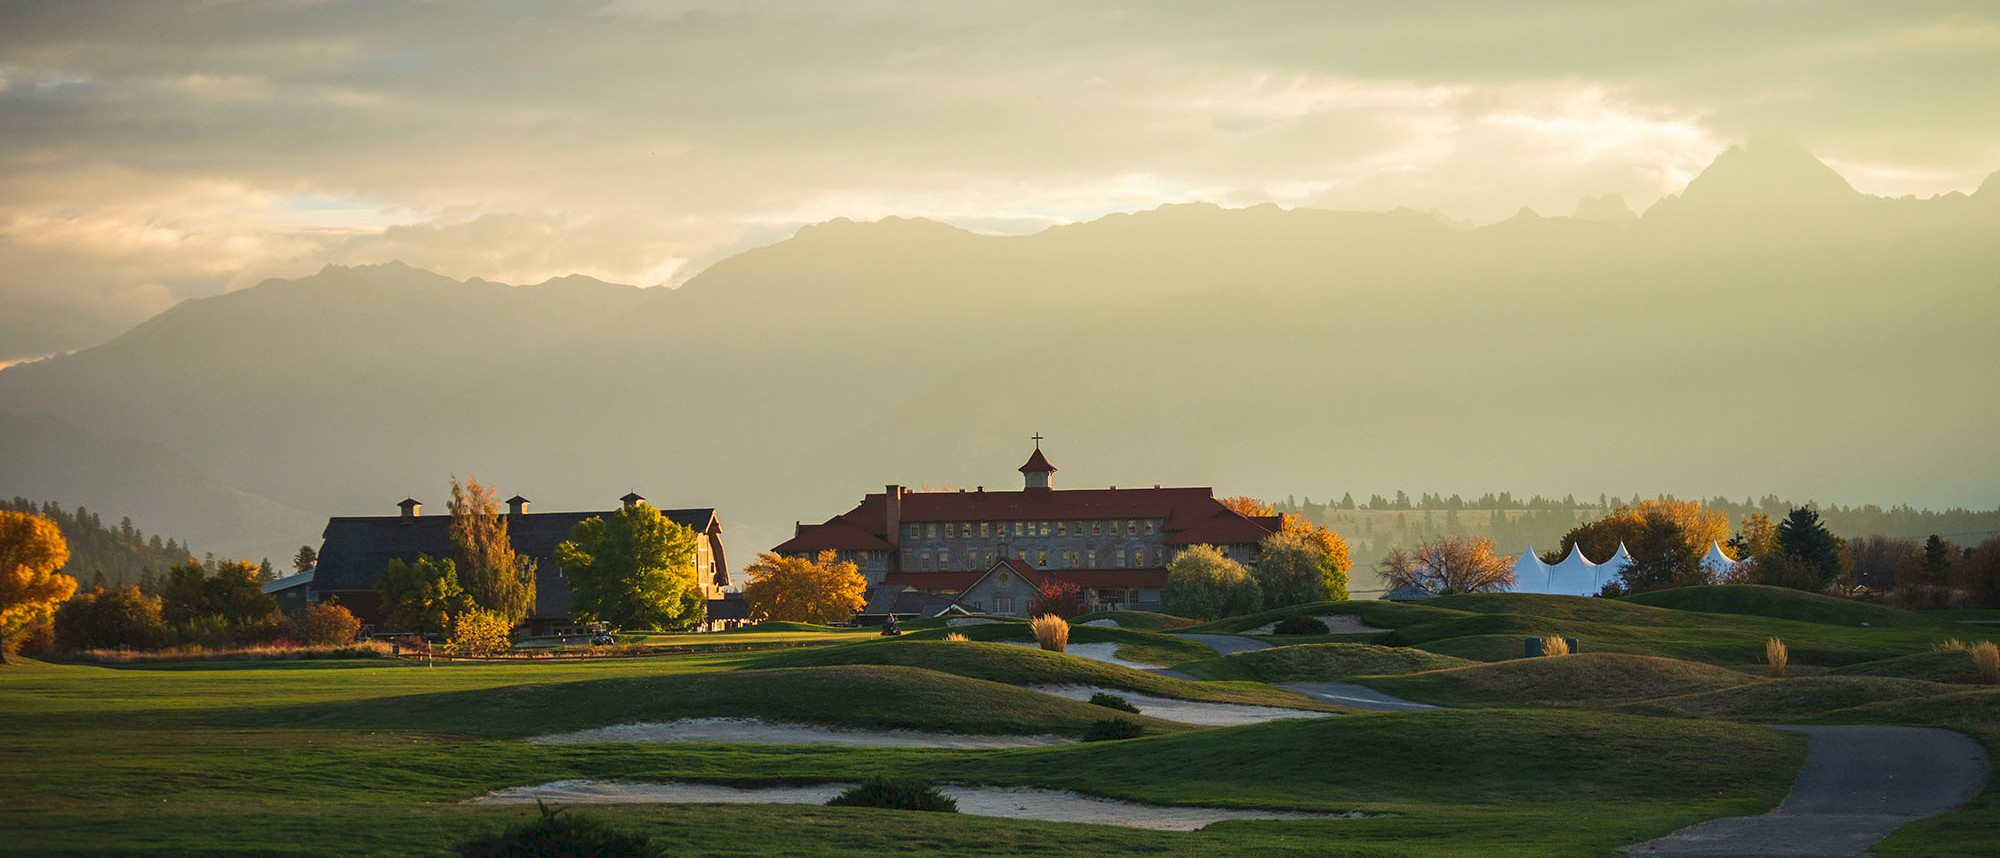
x: 158, y: 150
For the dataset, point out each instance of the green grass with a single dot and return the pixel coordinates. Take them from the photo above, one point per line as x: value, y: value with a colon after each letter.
x: 1953, y: 666
x: 1586, y: 680
x: 1133, y: 644
x: 1142, y: 620
x: 1387, y: 615
x: 344, y: 784
x: 1778, y: 602
x: 1788, y: 699
x: 1023, y: 666
x: 1319, y: 662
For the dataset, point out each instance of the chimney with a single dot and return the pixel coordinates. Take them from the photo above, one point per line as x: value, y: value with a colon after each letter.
x: 893, y: 503
x: 517, y: 505
x: 411, y: 508
x: 631, y: 499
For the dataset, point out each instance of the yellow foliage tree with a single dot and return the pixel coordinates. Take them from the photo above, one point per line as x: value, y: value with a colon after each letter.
x: 31, y: 550
x: 1328, y: 541
x: 825, y: 590
x: 1248, y: 507
x: 478, y: 632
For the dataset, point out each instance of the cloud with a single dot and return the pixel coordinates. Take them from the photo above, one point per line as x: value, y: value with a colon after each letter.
x: 195, y: 146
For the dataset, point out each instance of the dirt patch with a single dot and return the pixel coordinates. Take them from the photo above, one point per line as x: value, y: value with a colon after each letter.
x: 1104, y: 652
x: 1008, y: 802
x: 751, y: 731
x: 1336, y: 624
x: 1185, y: 711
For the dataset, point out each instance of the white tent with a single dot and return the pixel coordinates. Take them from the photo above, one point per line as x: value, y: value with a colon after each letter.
x: 1717, y: 563
x: 1574, y: 576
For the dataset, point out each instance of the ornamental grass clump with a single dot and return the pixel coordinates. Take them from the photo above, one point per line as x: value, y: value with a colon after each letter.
x: 957, y: 637
x: 1952, y: 645
x: 1986, y: 657
x: 895, y: 794
x: 1776, y: 656
x: 1052, y: 632
x: 1555, y: 645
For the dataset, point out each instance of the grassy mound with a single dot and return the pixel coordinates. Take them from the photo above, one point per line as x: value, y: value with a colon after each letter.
x: 784, y: 626
x: 1953, y: 667
x: 1320, y: 662
x: 1779, y: 602
x: 1133, y: 644
x: 1022, y: 666
x: 1142, y: 620
x: 1955, y: 709
x: 1787, y: 699
x: 874, y: 697
x: 1587, y: 680
x: 1387, y: 615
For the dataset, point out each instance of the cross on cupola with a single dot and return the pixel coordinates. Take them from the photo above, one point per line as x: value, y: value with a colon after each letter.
x: 1038, y: 469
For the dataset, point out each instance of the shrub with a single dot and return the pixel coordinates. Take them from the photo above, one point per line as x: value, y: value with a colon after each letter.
x: 1299, y: 626
x: 1204, y: 584
x: 1776, y: 656
x: 478, y: 632
x: 895, y: 794
x: 1986, y: 657
x: 1113, y: 701
x: 957, y: 637
x: 1060, y: 598
x: 1052, y: 632
x: 37, y: 639
x: 1111, y: 730
x: 328, y: 623
x: 123, y: 618
x: 1553, y: 645
x: 272, y: 630
x: 208, y: 630
x: 559, y: 834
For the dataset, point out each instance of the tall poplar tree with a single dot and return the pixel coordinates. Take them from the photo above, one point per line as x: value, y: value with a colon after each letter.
x: 494, y: 576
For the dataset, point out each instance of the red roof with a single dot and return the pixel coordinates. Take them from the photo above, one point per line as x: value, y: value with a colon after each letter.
x: 1037, y: 462
x: 1192, y: 515
x: 836, y: 534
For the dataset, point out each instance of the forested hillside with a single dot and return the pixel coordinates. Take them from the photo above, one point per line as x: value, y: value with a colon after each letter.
x: 111, y: 555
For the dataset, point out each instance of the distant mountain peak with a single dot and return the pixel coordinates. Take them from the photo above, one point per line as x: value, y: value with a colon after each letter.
x: 1766, y: 172
x: 1609, y: 208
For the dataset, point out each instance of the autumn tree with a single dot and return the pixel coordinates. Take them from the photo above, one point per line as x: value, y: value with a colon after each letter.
x: 1337, y: 561
x: 1203, y: 583
x: 634, y: 568
x: 1667, y: 540
x: 1293, y: 568
x: 328, y: 623
x: 120, y: 618
x: 824, y: 590
x: 1058, y: 597
x: 423, y: 596
x: 1883, y: 562
x: 1755, y: 537
x: 1248, y: 507
x: 496, y: 578
x: 1448, y: 565
x: 477, y: 631
x: 1979, y: 574
x: 31, y: 550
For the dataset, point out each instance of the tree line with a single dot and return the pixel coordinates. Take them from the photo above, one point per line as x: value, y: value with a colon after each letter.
x: 106, y: 555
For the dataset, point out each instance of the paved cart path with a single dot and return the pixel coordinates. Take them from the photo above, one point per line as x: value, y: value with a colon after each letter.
x: 1357, y: 696
x: 1859, y: 784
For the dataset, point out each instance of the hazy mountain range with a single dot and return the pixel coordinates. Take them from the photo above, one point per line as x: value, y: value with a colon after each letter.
x: 1769, y: 330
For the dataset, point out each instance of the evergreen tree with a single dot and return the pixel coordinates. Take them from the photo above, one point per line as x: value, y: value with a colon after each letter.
x: 1803, y: 537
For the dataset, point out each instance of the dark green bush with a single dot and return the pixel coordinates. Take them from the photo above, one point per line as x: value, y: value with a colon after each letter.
x: 895, y: 794
x: 560, y: 835
x: 1112, y: 729
x: 1299, y: 626
x: 1113, y: 701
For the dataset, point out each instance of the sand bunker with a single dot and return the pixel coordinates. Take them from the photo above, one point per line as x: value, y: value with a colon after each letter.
x: 1185, y: 711
x: 750, y: 731
x: 1107, y: 621
x: 1336, y: 624
x: 1006, y: 802
x: 968, y: 621
x: 1104, y: 652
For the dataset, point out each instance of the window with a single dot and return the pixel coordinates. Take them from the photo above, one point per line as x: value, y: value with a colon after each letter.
x: 965, y: 529
x: 1090, y: 558
x: 924, y: 562
x: 1042, y: 559
x: 1044, y: 528
x: 944, y: 560
x: 1096, y: 528
x: 1062, y: 528
x: 931, y: 529
x: 1020, y: 554
x: 1131, y: 527
x: 1121, y: 558
x: 990, y: 560
x: 983, y: 529
x: 1149, y: 526
x: 1003, y: 603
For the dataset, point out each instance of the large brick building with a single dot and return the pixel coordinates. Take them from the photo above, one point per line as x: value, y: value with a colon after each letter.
x: 1115, y: 543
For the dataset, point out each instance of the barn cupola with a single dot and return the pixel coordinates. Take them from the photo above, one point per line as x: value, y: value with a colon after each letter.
x: 1038, y: 470
x: 411, y: 507
x: 631, y: 499
x: 517, y: 505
